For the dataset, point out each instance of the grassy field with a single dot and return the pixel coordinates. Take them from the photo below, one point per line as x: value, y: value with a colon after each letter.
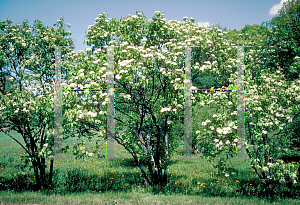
x: 133, y: 198
x: 96, y: 181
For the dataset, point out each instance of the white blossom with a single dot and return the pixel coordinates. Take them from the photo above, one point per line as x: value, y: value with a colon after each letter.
x: 265, y: 168
x: 92, y: 114
x: 96, y: 61
x: 219, y: 130
x: 123, y: 71
x: 165, y: 109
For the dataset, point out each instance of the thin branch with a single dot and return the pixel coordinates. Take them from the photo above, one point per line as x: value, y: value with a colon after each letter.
x: 132, y: 152
x: 284, y: 126
x: 122, y: 122
x: 18, y: 143
x: 125, y: 114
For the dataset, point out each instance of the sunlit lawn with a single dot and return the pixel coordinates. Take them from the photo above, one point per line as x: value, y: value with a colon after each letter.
x: 194, y: 177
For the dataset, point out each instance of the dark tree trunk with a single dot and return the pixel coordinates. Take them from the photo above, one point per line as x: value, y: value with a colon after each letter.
x: 51, y: 172
x: 165, y: 177
x: 42, y: 169
x: 36, y: 174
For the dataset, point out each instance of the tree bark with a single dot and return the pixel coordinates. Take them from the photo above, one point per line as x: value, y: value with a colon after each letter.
x: 51, y: 172
x: 42, y: 169
x: 36, y: 174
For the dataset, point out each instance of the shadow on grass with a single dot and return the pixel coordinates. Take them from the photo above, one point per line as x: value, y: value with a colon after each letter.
x: 132, y: 163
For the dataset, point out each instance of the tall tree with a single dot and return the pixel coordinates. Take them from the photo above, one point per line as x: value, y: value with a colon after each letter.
x: 147, y: 104
x: 283, y: 46
x: 284, y: 40
x: 30, y: 114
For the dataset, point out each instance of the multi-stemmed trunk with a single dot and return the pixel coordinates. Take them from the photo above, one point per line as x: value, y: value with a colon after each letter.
x: 154, y: 167
x: 39, y: 168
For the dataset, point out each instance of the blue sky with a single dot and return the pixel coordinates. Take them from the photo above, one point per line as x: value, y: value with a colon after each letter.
x: 80, y: 14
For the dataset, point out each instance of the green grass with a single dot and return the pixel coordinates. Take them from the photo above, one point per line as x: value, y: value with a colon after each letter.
x: 128, y: 198
x: 96, y: 181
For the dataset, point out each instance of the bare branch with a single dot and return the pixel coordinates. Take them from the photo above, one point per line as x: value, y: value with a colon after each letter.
x: 19, y: 143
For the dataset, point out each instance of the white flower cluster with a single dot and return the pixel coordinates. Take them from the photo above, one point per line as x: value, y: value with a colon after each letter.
x: 160, y: 55
x: 125, y: 96
x: 224, y: 131
x: 92, y: 114
x: 165, y: 109
x: 96, y: 61
x: 205, y: 123
x: 147, y: 55
x: 125, y: 62
x: 123, y: 71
